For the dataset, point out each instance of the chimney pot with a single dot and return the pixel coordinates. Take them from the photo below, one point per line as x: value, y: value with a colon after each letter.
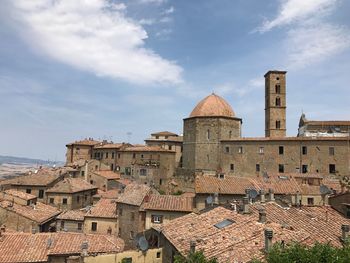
x: 268, y: 239
x: 245, y: 205
x: 262, y: 215
x: 345, y: 231
x: 262, y: 196
x: 192, y: 246
x: 271, y: 195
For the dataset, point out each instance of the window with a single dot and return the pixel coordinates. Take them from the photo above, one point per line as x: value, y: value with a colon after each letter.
x: 112, y: 155
x: 143, y: 172
x: 227, y: 149
x: 93, y: 226
x: 112, y: 167
x: 78, y: 199
x: 28, y: 191
x: 80, y: 226
x: 240, y: 149
x: 158, y: 254
x: 278, y: 88
x: 134, y: 155
x: 281, y: 168
x: 232, y: 167
x: 157, y: 137
x: 261, y: 150
x: 82, y: 173
x: 310, y: 201
x: 91, y: 182
x: 332, y: 169
x: 118, y: 155
x: 120, y: 211
x: 41, y: 193
x: 304, y: 150
x: 224, y: 223
x: 304, y: 168
x: 277, y: 78
x: 62, y: 224
x: 127, y: 260
x: 96, y: 167
x: 170, y: 147
x: 331, y: 150
x: 278, y: 101
x: 106, y: 155
x: 257, y: 167
x: 281, y: 150
x: 278, y: 124
x: 64, y: 201
x: 85, y: 197
x: 158, y: 219
x: 132, y: 216
x: 52, y: 200
x: 142, y: 156
x: 208, y: 135
x: 160, y: 181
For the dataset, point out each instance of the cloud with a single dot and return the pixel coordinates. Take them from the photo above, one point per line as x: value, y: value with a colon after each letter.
x: 158, y: 2
x: 241, y: 90
x: 94, y: 36
x: 147, y: 22
x: 168, y: 11
x: 296, y: 10
x: 307, y: 45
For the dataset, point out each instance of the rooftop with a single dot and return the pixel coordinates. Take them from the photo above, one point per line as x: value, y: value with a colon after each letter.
x: 110, y: 194
x: 105, y: 208
x: 108, y: 174
x: 145, y: 148
x: 134, y: 194
x: 74, y: 215
x: 39, y: 212
x: 243, y: 239
x: 212, y: 105
x: 168, y: 203
x: 71, y: 185
x: 20, y: 194
x: 25, y: 247
x: 164, y: 133
x: 110, y: 145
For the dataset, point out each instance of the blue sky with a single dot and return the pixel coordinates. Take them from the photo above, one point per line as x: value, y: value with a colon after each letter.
x: 98, y: 68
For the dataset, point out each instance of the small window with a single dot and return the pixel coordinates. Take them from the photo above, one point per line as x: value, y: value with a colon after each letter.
x: 170, y: 147
x: 134, y: 155
x: 304, y: 150
x: 257, y: 167
x: 64, y: 201
x: 278, y: 124
x: 304, y: 168
x: 143, y: 172
x: 278, y: 88
x: 227, y: 149
x: 112, y: 167
x: 62, y: 225
x: 158, y: 254
x: 28, y: 191
x: 120, y: 211
x: 281, y: 168
x: 232, y: 167
x: 112, y: 155
x: 278, y: 102
x: 85, y: 197
x: 332, y: 169
x: 157, y: 219
x: 106, y: 155
x: 80, y: 226
x: 277, y: 78
x: 310, y: 201
x: 331, y: 150
x: 240, y: 149
x: 127, y: 260
x: 82, y: 173
x: 52, y: 200
x: 96, y: 167
x: 132, y: 216
x: 41, y: 194
x: 281, y: 150
x: 224, y: 223
x: 78, y: 199
x: 118, y: 155
x: 141, y: 156
x: 208, y: 135
x: 261, y: 150
x: 91, y: 182
x: 160, y: 181
x: 94, y: 226
x: 157, y: 137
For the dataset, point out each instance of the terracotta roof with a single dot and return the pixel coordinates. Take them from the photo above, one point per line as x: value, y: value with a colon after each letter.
x: 146, y: 148
x: 333, y: 184
x: 87, y: 142
x: 25, y: 247
x: 39, y: 213
x: 169, y: 139
x: 212, y: 105
x: 164, y: 133
x: 108, y: 174
x: 302, y: 138
x: 327, y: 123
x: 168, y: 203
x: 282, y: 184
x: 71, y: 185
x: 43, y: 177
x: 110, y: 194
x: 74, y: 215
x: 243, y: 240
x: 105, y: 208
x: 110, y: 145
x: 134, y: 194
x: 20, y: 194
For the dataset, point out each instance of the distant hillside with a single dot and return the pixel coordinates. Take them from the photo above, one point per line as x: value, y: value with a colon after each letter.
x: 22, y: 160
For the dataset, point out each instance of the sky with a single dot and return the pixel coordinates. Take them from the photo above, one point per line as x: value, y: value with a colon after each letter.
x: 120, y: 70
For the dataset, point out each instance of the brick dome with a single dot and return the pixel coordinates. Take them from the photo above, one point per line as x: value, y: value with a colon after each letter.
x: 213, y: 105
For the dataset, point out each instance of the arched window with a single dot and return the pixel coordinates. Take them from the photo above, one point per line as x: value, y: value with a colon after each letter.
x: 278, y: 88
x: 278, y: 101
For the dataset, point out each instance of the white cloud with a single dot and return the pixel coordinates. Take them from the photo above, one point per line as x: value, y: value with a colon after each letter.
x: 306, y: 45
x: 158, y: 2
x: 168, y: 11
x: 147, y: 22
x: 242, y: 90
x: 296, y: 10
x: 93, y: 36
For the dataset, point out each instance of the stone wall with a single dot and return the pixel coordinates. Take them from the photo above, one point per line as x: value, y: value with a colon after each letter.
x: 103, y: 225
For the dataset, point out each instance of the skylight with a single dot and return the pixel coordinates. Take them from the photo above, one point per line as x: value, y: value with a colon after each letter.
x: 224, y: 223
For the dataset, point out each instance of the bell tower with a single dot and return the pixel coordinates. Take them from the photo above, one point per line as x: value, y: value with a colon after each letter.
x: 275, y: 103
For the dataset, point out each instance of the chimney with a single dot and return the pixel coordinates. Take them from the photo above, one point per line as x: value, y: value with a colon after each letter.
x: 245, y: 205
x: 262, y: 196
x: 271, y: 195
x: 297, y: 199
x: 216, y: 198
x: 345, y: 232
x: 247, y: 192
x: 268, y: 239
x: 192, y: 246
x: 33, y: 230
x: 262, y: 215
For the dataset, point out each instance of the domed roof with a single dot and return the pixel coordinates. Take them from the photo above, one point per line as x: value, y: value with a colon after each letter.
x: 213, y: 105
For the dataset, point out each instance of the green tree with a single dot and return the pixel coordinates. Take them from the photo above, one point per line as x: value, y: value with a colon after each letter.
x: 196, y: 257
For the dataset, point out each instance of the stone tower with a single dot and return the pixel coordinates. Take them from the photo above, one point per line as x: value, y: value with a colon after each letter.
x: 275, y: 103
x: 211, y: 121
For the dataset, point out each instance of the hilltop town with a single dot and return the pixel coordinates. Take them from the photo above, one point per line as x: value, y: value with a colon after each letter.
x: 210, y: 189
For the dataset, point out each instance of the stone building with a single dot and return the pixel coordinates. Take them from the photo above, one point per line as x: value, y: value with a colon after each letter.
x: 71, y: 193
x: 21, y: 212
x: 71, y: 221
x: 341, y: 203
x: 80, y: 150
x: 104, y: 179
